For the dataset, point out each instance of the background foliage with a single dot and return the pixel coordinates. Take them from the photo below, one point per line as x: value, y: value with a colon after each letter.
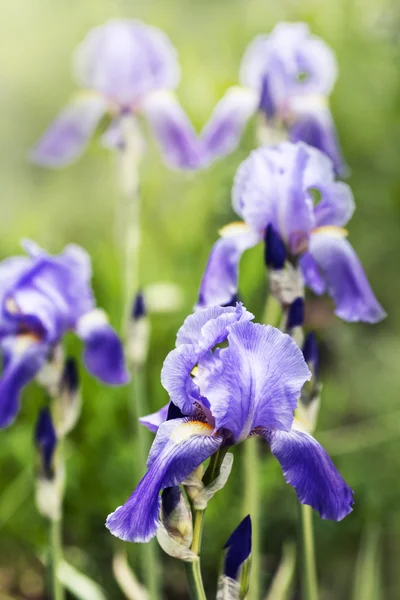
x: 181, y: 214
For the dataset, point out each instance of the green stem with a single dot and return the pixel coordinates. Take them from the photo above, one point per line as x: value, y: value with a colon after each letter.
x: 252, y: 508
x: 310, y: 591
x: 56, y: 557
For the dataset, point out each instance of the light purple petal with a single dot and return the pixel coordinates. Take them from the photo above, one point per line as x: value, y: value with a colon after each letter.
x: 308, y: 468
x: 124, y: 60
x: 67, y: 137
x: 312, y: 274
x: 103, y: 355
x: 179, y: 448
x: 154, y: 420
x: 345, y: 278
x: 23, y: 356
x: 174, y: 133
x: 258, y: 382
x: 219, y: 284
x: 221, y: 135
x: 336, y: 206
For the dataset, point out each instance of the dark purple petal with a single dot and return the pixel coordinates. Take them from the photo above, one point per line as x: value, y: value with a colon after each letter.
x: 311, y: 353
x: 154, y: 420
x: 221, y: 135
x: 179, y: 448
x: 176, y: 137
x: 345, y: 277
x: 124, y: 60
x: 258, y: 380
x: 275, y: 251
x: 312, y: 274
x: 46, y: 441
x: 68, y: 135
x: 295, y: 317
x: 219, y: 284
x: 239, y: 548
x: 103, y: 355
x: 308, y: 468
x: 23, y: 357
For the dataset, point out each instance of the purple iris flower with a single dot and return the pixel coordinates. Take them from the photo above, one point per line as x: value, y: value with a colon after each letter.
x: 125, y: 68
x: 287, y: 77
x: 250, y: 387
x: 42, y: 297
x: 290, y: 190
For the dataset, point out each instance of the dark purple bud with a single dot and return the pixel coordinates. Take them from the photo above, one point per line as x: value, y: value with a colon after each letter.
x: 295, y: 317
x: 138, y: 307
x: 238, y: 548
x: 170, y: 498
x: 311, y: 354
x: 275, y: 251
x: 46, y: 441
x: 70, y: 377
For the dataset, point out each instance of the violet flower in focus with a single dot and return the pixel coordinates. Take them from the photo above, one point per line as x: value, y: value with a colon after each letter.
x: 126, y: 68
x: 287, y: 77
x: 42, y: 297
x: 288, y: 196
x: 251, y: 387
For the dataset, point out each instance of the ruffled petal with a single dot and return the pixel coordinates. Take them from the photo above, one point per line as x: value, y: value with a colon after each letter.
x: 308, y: 468
x: 345, y: 277
x: 68, y: 135
x: 258, y: 381
x: 103, y: 355
x: 176, y: 137
x: 219, y: 284
x: 23, y: 357
x: 154, y: 420
x: 179, y: 448
x: 221, y: 135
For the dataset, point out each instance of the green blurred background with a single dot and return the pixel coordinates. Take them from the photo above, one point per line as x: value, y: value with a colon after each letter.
x: 360, y: 414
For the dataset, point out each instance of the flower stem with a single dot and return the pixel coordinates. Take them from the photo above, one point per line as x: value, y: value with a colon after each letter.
x: 56, y: 557
x: 128, y: 175
x: 310, y: 591
x: 252, y: 508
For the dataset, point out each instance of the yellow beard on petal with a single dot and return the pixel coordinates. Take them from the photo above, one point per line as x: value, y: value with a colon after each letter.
x: 186, y: 430
x: 234, y: 229
x: 338, y: 232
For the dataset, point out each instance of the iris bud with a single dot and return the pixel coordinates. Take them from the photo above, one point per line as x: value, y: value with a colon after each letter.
x: 175, y: 532
x: 69, y: 402
x: 139, y: 332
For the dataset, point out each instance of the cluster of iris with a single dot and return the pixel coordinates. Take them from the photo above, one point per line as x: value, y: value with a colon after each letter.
x: 228, y: 378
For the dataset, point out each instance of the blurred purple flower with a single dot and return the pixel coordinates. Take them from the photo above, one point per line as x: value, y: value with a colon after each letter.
x: 250, y: 387
x: 289, y: 191
x: 125, y: 68
x: 286, y: 76
x: 42, y: 297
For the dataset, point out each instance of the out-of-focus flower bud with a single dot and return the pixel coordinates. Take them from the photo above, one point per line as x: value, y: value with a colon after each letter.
x: 234, y: 582
x: 309, y: 403
x: 275, y: 251
x: 201, y: 494
x: 50, y: 473
x: 50, y: 374
x: 175, y: 533
x: 139, y: 332
x: 285, y: 280
x: 69, y: 401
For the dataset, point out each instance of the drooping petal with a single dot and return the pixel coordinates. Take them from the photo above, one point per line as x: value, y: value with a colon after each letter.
x: 103, y: 355
x: 314, y: 125
x: 67, y: 137
x: 308, y: 468
x: 154, y: 420
x: 239, y: 548
x: 23, y: 357
x: 179, y: 448
x: 221, y: 135
x: 219, y: 284
x: 345, y: 277
x: 312, y: 274
x: 176, y: 137
x: 258, y: 381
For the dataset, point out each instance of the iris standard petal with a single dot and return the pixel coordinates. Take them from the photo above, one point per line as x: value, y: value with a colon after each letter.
x: 179, y: 448
x: 219, y: 284
x: 124, y: 60
x: 67, y: 137
x: 103, y: 355
x: 23, y: 357
x: 221, y: 135
x: 345, y: 277
x: 174, y: 133
x: 153, y: 421
x: 308, y: 468
x: 258, y: 381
